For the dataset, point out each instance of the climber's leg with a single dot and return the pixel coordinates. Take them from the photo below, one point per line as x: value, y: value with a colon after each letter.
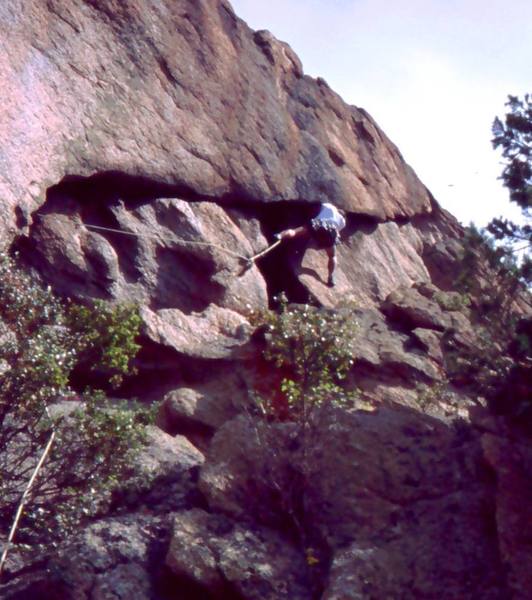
x: 331, y: 253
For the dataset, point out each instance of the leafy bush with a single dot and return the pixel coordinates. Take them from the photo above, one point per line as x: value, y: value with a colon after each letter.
x: 312, y: 351
x: 108, y: 334
x: 42, y: 341
x: 306, y: 359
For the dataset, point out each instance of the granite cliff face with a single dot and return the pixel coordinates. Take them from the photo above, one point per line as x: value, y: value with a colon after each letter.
x: 185, y: 93
x: 148, y: 146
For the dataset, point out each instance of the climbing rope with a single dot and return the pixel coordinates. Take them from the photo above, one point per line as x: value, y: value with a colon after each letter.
x: 168, y: 239
x: 247, y: 259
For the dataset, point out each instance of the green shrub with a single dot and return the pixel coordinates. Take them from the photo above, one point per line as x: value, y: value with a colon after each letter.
x: 452, y: 302
x: 108, y: 335
x: 312, y: 351
x: 42, y: 341
x: 304, y: 371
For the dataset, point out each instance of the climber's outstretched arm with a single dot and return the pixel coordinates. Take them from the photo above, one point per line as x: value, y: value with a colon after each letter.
x: 289, y: 234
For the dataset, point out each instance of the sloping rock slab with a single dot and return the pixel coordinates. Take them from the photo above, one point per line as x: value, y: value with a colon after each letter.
x: 215, y: 333
x: 370, y: 265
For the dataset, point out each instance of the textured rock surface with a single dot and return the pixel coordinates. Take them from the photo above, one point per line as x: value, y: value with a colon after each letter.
x: 112, y: 558
x: 214, y: 333
x: 424, y: 306
x: 171, y: 254
x: 379, y: 259
x: 184, y: 92
x: 205, y: 408
x: 509, y: 453
x: 225, y: 114
x: 226, y: 559
x: 396, y: 570
x: 164, y: 475
x: 390, y: 352
x: 410, y: 486
x: 197, y: 139
x: 165, y: 454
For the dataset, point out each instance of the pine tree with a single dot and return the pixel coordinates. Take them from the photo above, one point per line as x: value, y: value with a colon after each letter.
x: 514, y: 137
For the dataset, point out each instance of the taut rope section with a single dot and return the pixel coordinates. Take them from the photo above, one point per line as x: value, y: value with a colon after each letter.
x: 247, y: 259
x: 173, y: 239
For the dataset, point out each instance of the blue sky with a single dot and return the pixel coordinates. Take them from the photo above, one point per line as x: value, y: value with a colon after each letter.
x: 433, y: 73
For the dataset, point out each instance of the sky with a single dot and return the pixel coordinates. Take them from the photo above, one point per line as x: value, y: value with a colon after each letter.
x: 432, y: 73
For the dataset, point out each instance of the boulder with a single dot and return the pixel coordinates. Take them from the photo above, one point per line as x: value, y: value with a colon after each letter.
x: 205, y: 407
x: 410, y: 309
x: 227, y: 560
x: 163, y: 476
x: 391, y: 353
x: 215, y: 333
x: 406, y: 493
x: 165, y: 454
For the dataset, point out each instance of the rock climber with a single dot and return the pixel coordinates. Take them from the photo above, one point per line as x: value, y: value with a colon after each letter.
x: 325, y: 230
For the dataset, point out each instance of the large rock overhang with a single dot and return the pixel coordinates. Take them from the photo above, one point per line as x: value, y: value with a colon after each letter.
x: 185, y: 93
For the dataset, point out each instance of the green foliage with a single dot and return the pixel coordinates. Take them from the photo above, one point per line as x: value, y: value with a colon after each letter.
x: 91, y: 453
x: 491, y: 367
x: 484, y: 260
x: 42, y: 340
x: 452, y: 302
x: 514, y: 137
x: 437, y: 396
x: 108, y: 334
x: 310, y: 353
x: 312, y: 349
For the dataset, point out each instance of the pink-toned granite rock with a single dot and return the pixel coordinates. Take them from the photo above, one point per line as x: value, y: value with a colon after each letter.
x: 509, y: 453
x: 215, y: 333
x: 166, y: 253
x: 186, y: 93
x: 402, y: 500
x: 370, y: 265
x: 186, y: 96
